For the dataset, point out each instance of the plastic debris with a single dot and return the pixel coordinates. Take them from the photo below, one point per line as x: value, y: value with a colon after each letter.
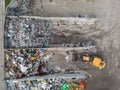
x: 19, y: 7
x: 45, y: 84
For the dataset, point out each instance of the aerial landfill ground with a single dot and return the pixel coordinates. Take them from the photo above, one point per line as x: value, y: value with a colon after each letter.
x: 60, y: 44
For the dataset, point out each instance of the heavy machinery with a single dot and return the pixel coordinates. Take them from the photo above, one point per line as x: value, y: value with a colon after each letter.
x: 94, y: 60
x: 88, y: 58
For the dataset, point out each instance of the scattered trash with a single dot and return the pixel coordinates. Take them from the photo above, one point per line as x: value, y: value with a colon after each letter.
x: 32, y: 62
x: 22, y: 32
x: 85, y: 43
x: 25, y: 62
x: 45, y: 84
x: 19, y: 7
x: 36, y: 33
x: 26, y: 32
x: 23, y: 69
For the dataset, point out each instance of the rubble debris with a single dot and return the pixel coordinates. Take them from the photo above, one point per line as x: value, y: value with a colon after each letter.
x: 46, y: 84
x: 19, y: 64
x: 19, y: 7
x: 85, y: 43
x: 40, y: 33
x: 28, y: 33
x: 73, y: 86
x: 25, y: 63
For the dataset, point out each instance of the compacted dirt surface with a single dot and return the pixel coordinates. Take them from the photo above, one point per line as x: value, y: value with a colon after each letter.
x: 108, y: 46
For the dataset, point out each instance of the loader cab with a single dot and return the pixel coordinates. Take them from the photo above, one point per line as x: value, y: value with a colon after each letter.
x: 95, y: 61
x: 88, y: 58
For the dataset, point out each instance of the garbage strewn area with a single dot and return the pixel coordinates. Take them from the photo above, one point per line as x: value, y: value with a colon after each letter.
x: 41, y: 33
x: 27, y: 32
x: 18, y: 7
x: 25, y: 63
x: 47, y: 84
x: 59, y: 44
x: 39, y: 69
x: 45, y: 48
x: 21, y: 63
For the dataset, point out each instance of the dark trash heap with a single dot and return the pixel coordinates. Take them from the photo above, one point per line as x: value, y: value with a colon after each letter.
x: 22, y: 8
x: 38, y: 33
x: 22, y: 32
x: 45, y: 84
x: 26, y: 62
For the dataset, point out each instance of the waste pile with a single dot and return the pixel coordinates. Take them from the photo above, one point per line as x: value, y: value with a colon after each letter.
x: 85, y: 43
x: 39, y: 33
x: 22, y: 63
x: 19, y: 7
x: 46, y: 84
x: 31, y: 62
x: 26, y: 62
x: 26, y: 32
